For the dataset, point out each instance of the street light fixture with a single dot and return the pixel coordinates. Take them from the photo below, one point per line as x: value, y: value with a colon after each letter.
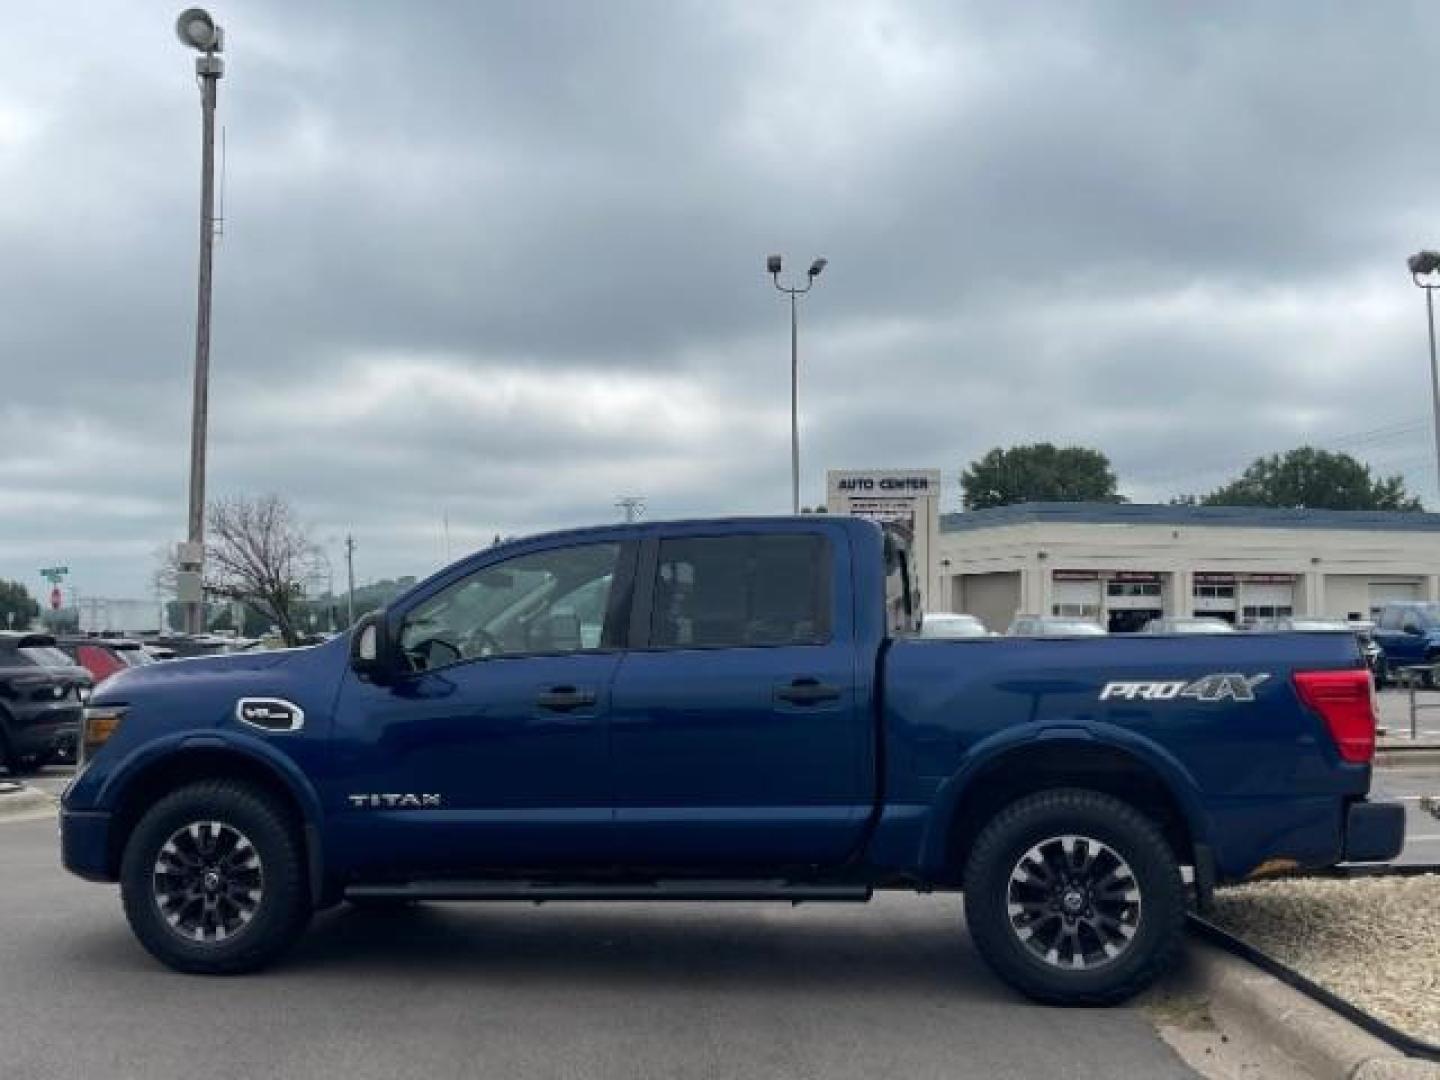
x: 773, y: 266
x: 1426, y: 264
x: 197, y: 30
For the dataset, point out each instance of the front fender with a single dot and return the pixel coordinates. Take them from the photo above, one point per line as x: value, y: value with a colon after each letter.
x: 990, y: 750
x: 155, y: 752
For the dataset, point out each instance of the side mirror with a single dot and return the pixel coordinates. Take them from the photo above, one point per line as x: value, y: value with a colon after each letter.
x: 370, y: 653
x: 1412, y: 630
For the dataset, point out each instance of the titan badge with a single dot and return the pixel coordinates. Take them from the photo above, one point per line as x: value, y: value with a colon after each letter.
x: 391, y: 801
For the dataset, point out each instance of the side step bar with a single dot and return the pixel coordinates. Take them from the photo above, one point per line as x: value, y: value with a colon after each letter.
x: 539, y: 892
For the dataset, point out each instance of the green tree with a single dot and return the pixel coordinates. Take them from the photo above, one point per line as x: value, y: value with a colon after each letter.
x: 1310, y: 478
x: 1041, y: 472
x: 18, y: 608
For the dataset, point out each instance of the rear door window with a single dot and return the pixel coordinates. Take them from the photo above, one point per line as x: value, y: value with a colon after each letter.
x: 741, y: 591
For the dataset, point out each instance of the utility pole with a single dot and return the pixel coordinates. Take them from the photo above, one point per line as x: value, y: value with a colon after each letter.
x: 632, y: 506
x: 197, y: 29
x: 350, y: 574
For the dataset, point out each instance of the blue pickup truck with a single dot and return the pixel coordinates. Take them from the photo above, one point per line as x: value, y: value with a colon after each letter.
x: 723, y: 710
x: 1408, y: 633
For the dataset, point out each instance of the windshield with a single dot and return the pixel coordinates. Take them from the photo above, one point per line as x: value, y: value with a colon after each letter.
x: 951, y: 626
x: 1426, y: 613
x: 46, y: 656
x: 1197, y: 626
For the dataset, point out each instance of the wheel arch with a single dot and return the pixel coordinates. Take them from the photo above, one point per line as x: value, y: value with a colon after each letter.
x: 188, y: 760
x: 1121, y: 765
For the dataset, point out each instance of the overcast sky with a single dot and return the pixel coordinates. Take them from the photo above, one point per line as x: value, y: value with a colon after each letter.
x: 502, y: 263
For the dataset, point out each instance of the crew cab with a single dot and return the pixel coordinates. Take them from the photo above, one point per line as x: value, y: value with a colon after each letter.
x: 723, y: 710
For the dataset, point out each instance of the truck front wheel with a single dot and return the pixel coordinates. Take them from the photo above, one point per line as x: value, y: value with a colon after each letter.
x: 1074, y: 898
x: 212, y: 879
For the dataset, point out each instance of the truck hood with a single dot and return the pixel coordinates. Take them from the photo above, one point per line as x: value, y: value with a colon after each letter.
x: 197, y: 669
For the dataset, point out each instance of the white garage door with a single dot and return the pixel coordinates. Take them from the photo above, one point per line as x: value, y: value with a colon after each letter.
x: 1076, y: 599
x: 1267, y: 600
x: 1383, y: 592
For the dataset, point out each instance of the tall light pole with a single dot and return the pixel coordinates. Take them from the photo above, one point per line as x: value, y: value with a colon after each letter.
x: 772, y: 267
x: 1426, y: 264
x: 197, y: 30
x: 350, y: 580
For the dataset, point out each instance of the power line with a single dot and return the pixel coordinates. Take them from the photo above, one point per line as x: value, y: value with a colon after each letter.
x: 1351, y: 440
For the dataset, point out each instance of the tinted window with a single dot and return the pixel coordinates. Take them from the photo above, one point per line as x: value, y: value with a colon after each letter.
x: 715, y: 591
x: 548, y: 602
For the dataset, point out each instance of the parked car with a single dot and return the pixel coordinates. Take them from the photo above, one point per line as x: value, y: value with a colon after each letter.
x: 1196, y: 624
x: 944, y: 624
x: 185, y: 645
x: 1052, y: 626
x: 1305, y: 624
x: 722, y: 710
x: 102, y: 657
x: 42, y: 693
x: 1408, y: 632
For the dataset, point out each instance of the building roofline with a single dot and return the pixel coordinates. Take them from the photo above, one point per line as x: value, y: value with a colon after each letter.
x: 1230, y: 517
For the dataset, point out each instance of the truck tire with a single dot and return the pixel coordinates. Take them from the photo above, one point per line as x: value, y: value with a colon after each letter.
x: 213, y: 879
x: 1074, y: 898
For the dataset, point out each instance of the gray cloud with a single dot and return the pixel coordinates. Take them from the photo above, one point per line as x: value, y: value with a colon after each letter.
x: 501, y: 263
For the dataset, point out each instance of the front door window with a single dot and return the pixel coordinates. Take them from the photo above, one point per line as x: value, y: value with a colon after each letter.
x: 544, y: 603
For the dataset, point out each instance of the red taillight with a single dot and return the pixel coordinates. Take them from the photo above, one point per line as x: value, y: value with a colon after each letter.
x: 1346, y: 702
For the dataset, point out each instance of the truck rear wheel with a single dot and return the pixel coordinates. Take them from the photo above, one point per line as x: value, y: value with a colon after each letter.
x: 1074, y: 898
x: 213, y: 881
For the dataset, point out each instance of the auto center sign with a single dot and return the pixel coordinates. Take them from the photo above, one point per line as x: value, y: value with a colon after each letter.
x: 896, y: 495
x: 909, y: 498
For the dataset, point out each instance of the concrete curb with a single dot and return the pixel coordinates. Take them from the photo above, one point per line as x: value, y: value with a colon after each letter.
x: 1395, y: 757
x: 1329, y: 1047
x: 28, y: 802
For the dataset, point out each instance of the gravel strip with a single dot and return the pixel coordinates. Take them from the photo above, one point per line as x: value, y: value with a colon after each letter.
x: 1373, y: 941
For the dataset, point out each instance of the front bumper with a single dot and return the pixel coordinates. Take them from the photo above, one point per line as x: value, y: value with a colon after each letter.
x: 1374, y: 831
x: 85, y: 844
x: 47, y: 737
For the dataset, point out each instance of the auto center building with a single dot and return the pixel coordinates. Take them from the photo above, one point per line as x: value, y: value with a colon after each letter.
x: 1122, y: 564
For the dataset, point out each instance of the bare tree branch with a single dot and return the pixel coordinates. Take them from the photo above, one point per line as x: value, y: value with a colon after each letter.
x: 256, y: 552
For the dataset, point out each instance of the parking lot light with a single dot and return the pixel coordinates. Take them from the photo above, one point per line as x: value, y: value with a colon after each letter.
x: 197, y: 30
x: 1424, y: 268
x: 772, y: 267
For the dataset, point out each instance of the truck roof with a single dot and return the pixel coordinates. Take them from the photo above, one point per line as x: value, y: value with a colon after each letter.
x: 642, y: 528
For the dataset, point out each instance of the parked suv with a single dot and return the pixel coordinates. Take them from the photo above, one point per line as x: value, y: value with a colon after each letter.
x: 1409, y: 634
x: 42, y: 694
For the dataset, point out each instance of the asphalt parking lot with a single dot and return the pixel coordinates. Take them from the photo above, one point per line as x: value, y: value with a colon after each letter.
x: 1395, y: 714
x: 890, y: 989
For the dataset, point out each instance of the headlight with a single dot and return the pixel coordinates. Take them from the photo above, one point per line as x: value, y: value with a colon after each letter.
x: 101, y: 722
